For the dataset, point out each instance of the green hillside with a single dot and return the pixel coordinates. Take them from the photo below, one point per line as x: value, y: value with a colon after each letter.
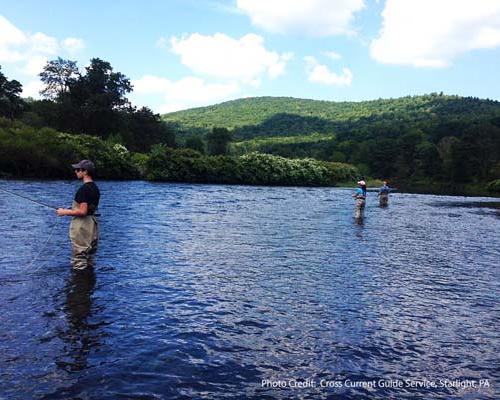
x: 286, y: 116
x: 421, y: 139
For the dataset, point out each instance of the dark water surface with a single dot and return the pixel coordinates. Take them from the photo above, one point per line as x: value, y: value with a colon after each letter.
x: 207, y: 291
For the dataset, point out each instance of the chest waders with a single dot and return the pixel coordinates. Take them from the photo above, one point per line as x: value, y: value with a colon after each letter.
x: 360, y: 207
x: 383, y: 199
x: 84, y: 235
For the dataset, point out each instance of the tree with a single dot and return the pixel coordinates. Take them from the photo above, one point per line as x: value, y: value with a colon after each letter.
x: 196, y: 143
x: 218, y: 141
x: 405, y: 162
x: 427, y: 162
x: 381, y: 157
x: 142, y: 128
x: 99, y: 95
x: 104, y: 88
x: 95, y: 103
x: 87, y: 103
x: 11, y: 104
x: 57, y: 76
x: 447, y: 150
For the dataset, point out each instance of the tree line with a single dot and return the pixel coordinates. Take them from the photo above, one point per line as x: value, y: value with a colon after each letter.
x: 95, y: 103
x: 29, y: 152
x: 88, y: 116
x: 431, y: 138
x: 92, y: 102
x: 438, y: 138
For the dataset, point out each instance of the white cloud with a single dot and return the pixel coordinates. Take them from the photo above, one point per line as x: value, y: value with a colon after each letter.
x: 41, y: 43
x: 319, y: 73
x: 73, y: 45
x: 309, y: 17
x: 35, y: 65
x: 185, y: 93
x: 10, y: 37
x: 150, y: 84
x: 221, y: 56
x: 429, y: 33
x: 31, y: 51
x: 32, y: 89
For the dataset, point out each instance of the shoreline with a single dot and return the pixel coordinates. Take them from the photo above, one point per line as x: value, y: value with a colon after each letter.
x: 419, y: 189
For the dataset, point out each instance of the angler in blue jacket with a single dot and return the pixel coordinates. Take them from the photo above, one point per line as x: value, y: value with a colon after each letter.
x: 360, y: 197
x: 383, y: 195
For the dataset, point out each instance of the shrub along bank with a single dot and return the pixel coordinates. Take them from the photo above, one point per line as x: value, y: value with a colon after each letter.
x: 27, y: 152
x: 186, y: 165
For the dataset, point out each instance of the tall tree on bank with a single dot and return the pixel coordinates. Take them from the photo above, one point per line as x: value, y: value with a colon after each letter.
x: 86, y: 103
x: 96, y: 103
x: 57, y: 76
x: 98, y: 96
x: 11, y: 104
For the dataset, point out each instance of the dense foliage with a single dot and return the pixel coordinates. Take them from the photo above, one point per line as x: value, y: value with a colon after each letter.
x: 314, y: 146
x: 46, y: 153
x: 287, y: 116
x: 11, y: 104
x: 442, y: 138
x: 218, y: 141
x: 186, y: 165
x: 95, y: 103
x: 430, y: 141
x: 42, y: 153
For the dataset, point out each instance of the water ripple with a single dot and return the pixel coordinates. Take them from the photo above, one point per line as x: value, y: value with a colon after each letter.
x: 205, y: 291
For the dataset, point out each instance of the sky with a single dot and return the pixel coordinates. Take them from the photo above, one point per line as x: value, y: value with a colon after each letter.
x: 181, y: 54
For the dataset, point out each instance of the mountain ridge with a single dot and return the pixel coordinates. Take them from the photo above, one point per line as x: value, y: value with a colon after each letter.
x: 289, y: 116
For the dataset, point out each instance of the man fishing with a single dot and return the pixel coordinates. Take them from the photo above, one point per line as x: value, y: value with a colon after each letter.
x: 383, y: 195
x: 360, y: 197
x: 84, y: 228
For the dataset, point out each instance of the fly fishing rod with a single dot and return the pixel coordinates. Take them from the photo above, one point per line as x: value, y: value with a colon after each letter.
x: 35, y: 201
x: 27, y: 198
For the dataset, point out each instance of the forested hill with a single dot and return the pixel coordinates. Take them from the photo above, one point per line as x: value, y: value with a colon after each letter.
x: 431, y: 138
x: 286, y: 116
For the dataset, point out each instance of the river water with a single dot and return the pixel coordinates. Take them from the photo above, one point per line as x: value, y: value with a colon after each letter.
x: 206, y: 291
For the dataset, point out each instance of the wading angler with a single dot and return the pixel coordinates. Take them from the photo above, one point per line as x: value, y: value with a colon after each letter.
x: 360, y: 196
x: 84, y: 227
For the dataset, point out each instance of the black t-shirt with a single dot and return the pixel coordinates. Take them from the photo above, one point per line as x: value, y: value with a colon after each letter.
x: 88, y: 193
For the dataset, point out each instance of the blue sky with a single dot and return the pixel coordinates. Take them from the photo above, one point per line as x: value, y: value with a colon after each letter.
x: 186, y: 53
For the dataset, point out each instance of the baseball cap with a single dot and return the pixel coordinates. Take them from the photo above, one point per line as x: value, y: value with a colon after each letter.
x: 85, y: 164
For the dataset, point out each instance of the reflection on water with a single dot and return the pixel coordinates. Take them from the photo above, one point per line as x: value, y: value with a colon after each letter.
x: 204, y: 291
x: 79, y: 336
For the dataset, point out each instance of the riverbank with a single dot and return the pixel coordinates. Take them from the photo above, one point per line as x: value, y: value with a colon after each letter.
x: 372, y: 186
x: 31, y: 153
x: 450, y: 189
x: 437, y: 188
x: 28, y: 152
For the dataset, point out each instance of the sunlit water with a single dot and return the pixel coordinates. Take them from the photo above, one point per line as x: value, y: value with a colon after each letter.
x: 205, y: 291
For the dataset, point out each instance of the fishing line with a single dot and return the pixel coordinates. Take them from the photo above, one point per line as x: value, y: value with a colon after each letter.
x: 43, y: 247
x: 51, y: 231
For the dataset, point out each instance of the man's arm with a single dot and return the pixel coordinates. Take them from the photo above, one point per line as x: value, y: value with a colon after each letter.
x: 81, y: 211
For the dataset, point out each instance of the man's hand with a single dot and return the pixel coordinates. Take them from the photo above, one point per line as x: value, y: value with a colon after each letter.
x: 61, y: 212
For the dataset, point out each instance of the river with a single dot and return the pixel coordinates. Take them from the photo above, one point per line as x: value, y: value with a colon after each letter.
x: 208, y: 291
